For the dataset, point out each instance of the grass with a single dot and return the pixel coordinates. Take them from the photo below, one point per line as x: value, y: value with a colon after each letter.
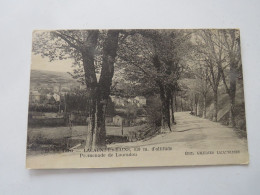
x: 54, y: 139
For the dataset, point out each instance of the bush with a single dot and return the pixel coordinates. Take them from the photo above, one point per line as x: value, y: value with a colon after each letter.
x: 43, y: 107
x: 154, y: 112
x: 47, y: 122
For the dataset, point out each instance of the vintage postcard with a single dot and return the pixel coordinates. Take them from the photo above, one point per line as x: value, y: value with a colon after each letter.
x: 136, y: 98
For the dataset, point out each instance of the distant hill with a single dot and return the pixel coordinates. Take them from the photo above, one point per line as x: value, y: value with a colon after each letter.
x: 51, y: 77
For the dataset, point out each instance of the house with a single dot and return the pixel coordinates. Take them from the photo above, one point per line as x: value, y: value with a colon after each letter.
x: 56, y: 89
x: 56, y: 97
x: 63, y: 93
x: 118, y: 120
x: 81, y: 87
x: 141, y: 100
x: 118, y: 101
x: 113, y: 98
x: 48, y: 96
x: 36, y: 115
x: 109, y: 120
x: 132, y: 101
x: 35, y: 96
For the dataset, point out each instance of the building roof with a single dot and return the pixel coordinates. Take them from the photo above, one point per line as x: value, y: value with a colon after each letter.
x: 35, y: 93
x: 140, y: 97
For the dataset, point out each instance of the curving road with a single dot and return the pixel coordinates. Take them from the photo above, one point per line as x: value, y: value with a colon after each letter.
x: 192, y: 132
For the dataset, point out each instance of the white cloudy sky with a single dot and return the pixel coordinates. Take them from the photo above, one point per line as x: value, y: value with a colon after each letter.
x: 39, y: 63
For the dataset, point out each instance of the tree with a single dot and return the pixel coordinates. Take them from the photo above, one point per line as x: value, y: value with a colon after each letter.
x: 76, y: 101
x: 231, y: 43
x: 223, y: 53
x: 183, y: 95
x: 212, y: 56
x: 201, y: 85
x: 155, y: 59
x: 93, y: 52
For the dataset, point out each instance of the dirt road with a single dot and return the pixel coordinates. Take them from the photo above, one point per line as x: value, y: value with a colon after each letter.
x: 192, y: 132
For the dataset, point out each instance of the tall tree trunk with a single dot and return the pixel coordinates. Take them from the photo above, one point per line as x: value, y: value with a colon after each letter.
x: 99, y: 94
x: 198, y: 109
x: 96, y: 134
x: 181, y: 105
x: 215, y: 112
x: 99, y: 132
x: 231, y: 112
x: 175, y: 101
x: 204, y: 106
x: 166, y: 120
x: 91, y: 84
x: 91, y: 120
x: 165, y: 99
x: 232, y: 93
x: 196, y: 100
x: 191, y: 105
x: 172, y: 110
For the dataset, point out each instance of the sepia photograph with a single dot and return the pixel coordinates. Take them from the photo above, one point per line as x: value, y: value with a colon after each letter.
x: 136, y: 98
x: 130, y: 97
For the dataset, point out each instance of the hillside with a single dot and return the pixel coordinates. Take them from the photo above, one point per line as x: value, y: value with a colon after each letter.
x: 48, y: 77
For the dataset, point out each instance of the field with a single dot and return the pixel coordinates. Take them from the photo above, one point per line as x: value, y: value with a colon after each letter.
x: 190, y: 134
x: 53, y: 139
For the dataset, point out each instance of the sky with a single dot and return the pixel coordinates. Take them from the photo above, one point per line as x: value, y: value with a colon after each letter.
x: 39, y: 63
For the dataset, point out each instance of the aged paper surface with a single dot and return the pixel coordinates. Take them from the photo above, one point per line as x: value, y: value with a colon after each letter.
x: 136, y: 98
